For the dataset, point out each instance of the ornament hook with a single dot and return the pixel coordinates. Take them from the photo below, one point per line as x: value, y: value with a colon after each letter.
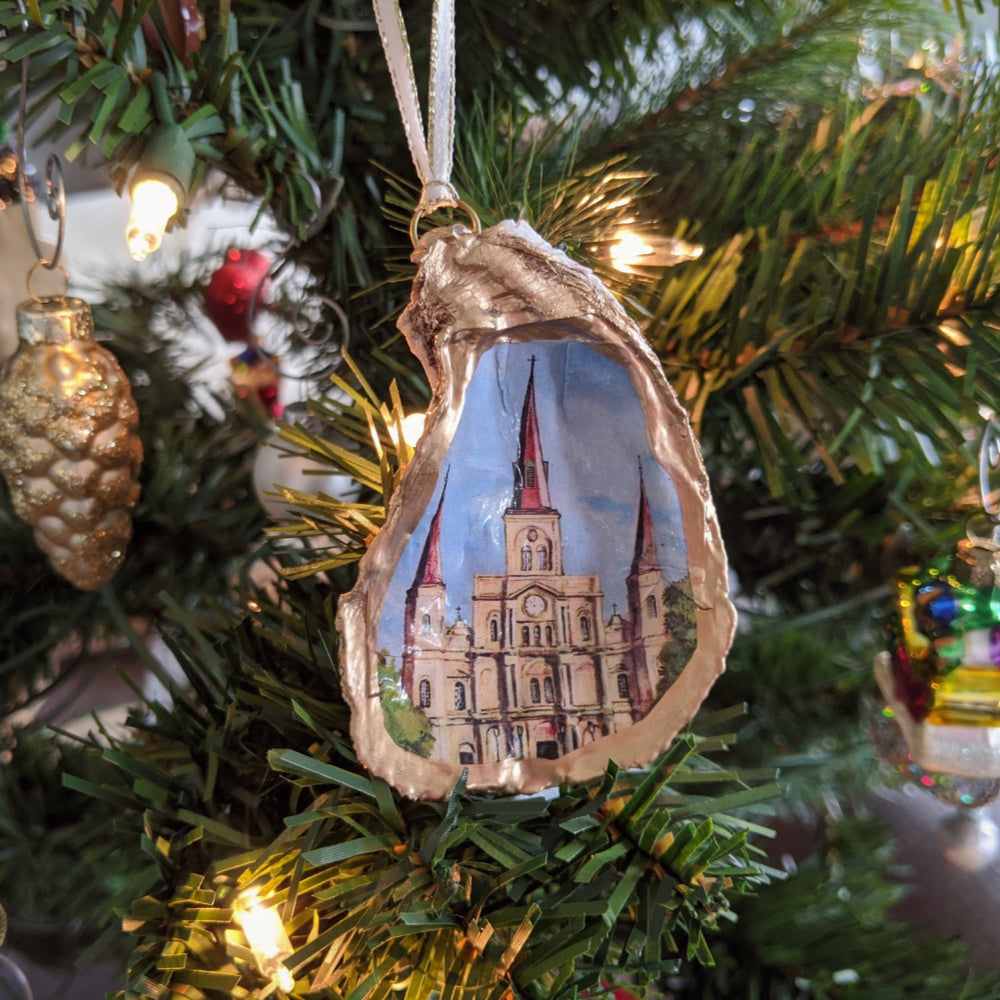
x: 55, y: 181
x: 989, y: 461
x: 308, y: 337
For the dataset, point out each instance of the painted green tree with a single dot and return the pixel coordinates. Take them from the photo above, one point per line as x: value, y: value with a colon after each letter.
x: 679, y: 622
x: 405, y: 723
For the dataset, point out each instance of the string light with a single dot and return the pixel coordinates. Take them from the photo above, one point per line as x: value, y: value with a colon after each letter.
x: 632, y: 249
x: 154, y: 204
x: 159, y: 184
x: 266, y: 935
x: 413, y: 427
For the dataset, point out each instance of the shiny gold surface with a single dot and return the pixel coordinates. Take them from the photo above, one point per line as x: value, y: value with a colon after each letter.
x: 473, y: 291
x: 69, y: 450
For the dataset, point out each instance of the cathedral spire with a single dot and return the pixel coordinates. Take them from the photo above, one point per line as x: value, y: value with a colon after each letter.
x: 645, y: 556
x: 429, y: 567
x: 531, y: 471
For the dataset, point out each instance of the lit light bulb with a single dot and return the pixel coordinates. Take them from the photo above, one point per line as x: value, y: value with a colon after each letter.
x: 413, y: 427
x: 631, y: 250
x: 154, y: 204
x: 266, y: 935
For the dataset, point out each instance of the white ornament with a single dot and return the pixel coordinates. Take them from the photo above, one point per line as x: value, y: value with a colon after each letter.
x: 274, y: 470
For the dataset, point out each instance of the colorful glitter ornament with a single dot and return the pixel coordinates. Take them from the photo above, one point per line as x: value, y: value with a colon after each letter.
x: 941, y: 675
x: 952, y: 789
x: 256, y: 377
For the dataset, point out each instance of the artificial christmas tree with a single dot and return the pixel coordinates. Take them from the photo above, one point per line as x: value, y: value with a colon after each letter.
x: 832, y: 345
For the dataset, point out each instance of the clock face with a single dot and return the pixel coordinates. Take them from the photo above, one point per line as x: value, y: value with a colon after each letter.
x: 534, y: 604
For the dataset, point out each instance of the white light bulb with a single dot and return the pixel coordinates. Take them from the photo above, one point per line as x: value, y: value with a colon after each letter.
x: 413, y: 427
x: 632, y: 250
x: 154, y: 204
x: 264, y: 930
x: 266, y: 935
x: 286, y: 981
x: 629, y: 251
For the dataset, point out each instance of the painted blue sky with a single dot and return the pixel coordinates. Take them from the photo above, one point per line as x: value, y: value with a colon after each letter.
x: 593, y: 433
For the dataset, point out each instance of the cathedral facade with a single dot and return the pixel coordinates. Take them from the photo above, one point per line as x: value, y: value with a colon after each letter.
x: 538, y: 669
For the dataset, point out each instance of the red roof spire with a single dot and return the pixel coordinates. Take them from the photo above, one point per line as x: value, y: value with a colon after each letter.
x: 645, y: 556
x: 429, y: 567
x: 531, y: 471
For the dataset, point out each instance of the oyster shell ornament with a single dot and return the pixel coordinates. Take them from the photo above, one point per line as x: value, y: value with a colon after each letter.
x: 549, y: 591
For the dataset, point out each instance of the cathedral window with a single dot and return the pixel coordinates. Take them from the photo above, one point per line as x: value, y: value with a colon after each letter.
x: 585, y: 628
x: 425, y: 693
x: 459, y: 697
x: 525, y: 636
x: 623, y: 686
x: 550, y: 695
x: 537, y: 635
x: 529, y: 475
x: 526, y: 557
x: 494, y: 630
x: 548, y: 635
x: 536, y: 690
x: 493, y: 743
x: 519, y: 741
x: 651, y: 606
x: 543, y: 557
x: 425, y: 625
x: 466, y: 753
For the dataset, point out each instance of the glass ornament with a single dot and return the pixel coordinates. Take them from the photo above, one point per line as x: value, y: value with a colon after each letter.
x: 69, y: 448
x: 14, y: 984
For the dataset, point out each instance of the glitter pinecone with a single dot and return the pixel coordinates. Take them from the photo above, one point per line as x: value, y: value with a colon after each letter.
x: 68, y: 444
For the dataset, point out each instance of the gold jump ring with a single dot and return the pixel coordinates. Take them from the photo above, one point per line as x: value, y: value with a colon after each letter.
x: 49, y: 265
x: 425, y: 210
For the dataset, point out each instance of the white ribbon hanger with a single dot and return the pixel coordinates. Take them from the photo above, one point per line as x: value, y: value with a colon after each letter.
x: 432, y: 154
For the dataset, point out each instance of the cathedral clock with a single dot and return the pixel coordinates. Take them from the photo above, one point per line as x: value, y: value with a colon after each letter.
x: 534, y: 604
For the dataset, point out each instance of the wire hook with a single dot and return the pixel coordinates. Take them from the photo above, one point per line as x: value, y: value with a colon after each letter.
x: 55, y: 181
x: 989, y: 460
x: 309, y: 339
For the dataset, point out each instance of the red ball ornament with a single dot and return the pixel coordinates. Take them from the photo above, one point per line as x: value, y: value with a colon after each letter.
x: 229, y: 297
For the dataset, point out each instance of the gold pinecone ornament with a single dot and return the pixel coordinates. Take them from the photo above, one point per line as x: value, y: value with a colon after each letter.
x: 68, y: 443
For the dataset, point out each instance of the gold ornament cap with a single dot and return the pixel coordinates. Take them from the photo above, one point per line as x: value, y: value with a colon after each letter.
x: 56, y: 320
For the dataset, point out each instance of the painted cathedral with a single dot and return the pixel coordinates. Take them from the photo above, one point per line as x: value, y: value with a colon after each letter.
x: 538, y: 671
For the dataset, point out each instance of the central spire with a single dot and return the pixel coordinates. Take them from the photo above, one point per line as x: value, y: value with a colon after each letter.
x: 531, y: 471
x: 644, y: 555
